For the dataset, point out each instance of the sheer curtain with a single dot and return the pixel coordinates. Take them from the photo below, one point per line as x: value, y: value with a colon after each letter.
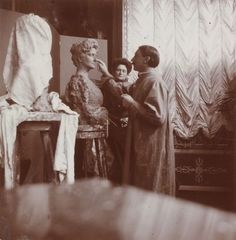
x: 197, y: 41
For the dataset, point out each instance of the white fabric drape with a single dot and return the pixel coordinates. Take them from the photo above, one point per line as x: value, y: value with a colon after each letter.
x: 65, y: 148
x: 12, y: 115
x: 28, y: 65
x: 27, y: 72
x: 197, y: 41
x: 10, y: 118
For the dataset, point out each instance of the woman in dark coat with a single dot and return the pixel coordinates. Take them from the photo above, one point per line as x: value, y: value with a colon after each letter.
x: 118, y: 116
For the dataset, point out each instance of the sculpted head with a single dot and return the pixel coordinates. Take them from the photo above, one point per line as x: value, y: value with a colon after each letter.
x: 85, y: 53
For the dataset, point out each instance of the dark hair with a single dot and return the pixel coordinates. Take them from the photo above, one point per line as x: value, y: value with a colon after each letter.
x: 122, y: 61
x: 152, y: 52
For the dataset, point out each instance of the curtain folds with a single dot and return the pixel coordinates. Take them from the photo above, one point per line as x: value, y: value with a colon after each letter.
x: 197, y: 41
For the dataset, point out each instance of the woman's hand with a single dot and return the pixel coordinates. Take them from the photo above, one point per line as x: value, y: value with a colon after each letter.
x: 103, y: 68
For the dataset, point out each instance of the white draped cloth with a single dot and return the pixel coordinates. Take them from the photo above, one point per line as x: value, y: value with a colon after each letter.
x: 28, y: 65
x: 64, y: 155
x: 27, y: 72
x: 10, y: 117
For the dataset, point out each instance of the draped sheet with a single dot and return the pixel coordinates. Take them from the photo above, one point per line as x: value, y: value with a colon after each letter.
x: 197, y: 41
x: 28, y: 64
x: 12, y: 115
x: 27, y: 72
x: 10, y: 118
x: 65, y: 148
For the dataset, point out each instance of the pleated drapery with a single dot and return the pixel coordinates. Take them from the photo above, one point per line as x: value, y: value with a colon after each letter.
x: 197, y: 41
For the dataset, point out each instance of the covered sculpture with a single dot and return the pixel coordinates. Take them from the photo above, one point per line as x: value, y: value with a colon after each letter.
x: 27, y: 73
x: 28, y: 65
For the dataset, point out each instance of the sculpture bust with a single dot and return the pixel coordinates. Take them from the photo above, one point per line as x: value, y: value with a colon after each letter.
x: 82, y: 94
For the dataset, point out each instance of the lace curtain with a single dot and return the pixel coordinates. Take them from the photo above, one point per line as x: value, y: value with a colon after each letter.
x: 197, y: 41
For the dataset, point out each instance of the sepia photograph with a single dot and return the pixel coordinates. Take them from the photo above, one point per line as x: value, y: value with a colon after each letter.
x: 117, y: 119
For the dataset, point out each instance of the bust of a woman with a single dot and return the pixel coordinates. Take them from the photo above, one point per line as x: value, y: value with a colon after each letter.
x: 82, y: 94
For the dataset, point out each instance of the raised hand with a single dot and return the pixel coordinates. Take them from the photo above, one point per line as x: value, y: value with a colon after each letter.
x: 103, y: 68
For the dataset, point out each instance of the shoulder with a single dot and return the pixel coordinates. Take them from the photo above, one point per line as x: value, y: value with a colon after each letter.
x: 77, y: 80
x: 155, y: 82
x: 156, y: 79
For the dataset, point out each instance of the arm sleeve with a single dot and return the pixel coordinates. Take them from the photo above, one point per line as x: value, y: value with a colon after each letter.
x: 154, y: 108
x: 113, y: 88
